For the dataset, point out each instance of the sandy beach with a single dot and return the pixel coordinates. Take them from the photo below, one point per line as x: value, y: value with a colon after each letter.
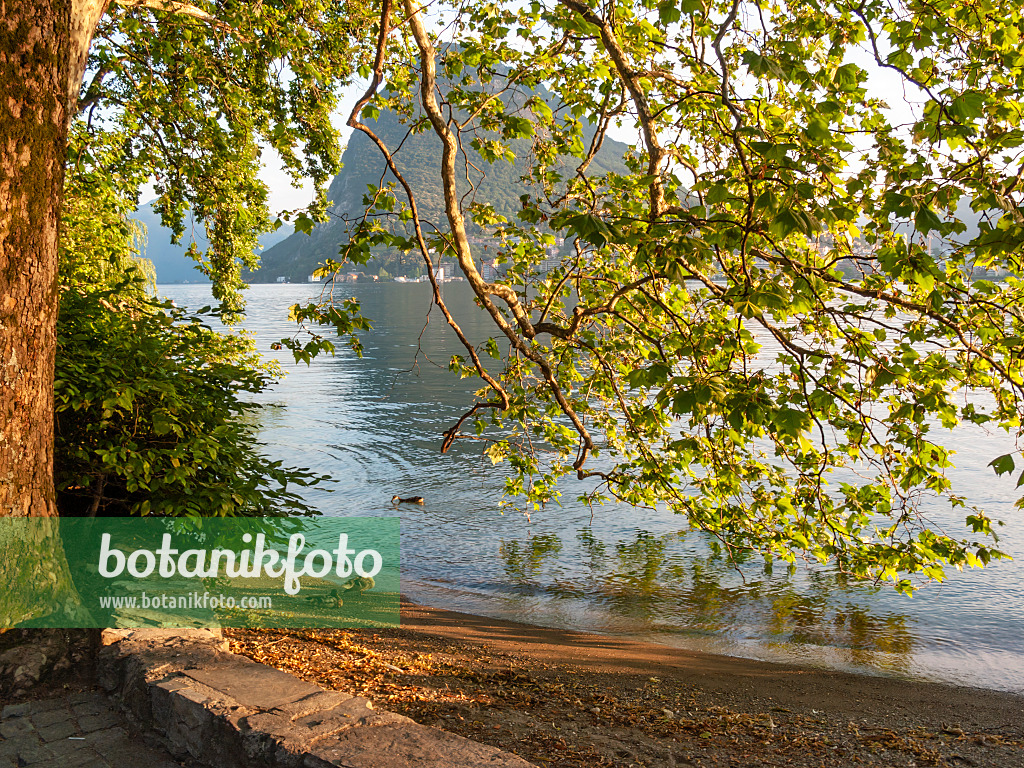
x: 563, y: 698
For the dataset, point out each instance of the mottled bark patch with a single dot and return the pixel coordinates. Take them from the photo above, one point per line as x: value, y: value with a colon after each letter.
x: 34, y: 70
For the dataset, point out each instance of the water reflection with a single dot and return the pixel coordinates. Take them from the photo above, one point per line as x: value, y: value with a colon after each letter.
x: 523, y: 563
x: 650, y: 579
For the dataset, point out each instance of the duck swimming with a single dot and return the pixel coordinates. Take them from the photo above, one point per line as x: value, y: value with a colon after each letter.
x: 359, y: 583
x: 410, y: 500
x: 331, y: 600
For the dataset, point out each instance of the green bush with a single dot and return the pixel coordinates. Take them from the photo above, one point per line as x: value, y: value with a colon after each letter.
x: 150, y: 415
x: 150, y: 418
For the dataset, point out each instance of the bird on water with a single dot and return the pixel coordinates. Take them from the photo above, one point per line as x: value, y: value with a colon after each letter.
x: 359, y: 583
x: 410, y: 500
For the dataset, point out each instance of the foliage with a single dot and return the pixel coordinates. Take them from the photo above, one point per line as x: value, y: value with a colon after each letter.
x: 150, y: 415
x: 715, y: 342
x: 196, y: 93
x: 418, y: 158
x: 100, y: 238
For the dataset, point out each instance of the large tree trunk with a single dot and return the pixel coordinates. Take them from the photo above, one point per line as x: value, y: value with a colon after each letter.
x: 35, y: 59
x: 43, y: 47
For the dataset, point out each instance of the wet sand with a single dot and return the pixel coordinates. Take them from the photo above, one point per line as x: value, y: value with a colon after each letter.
x: 565, y: 699
x: 734, y: 680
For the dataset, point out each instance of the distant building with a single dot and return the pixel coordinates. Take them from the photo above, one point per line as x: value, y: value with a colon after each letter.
x: 489, y: 270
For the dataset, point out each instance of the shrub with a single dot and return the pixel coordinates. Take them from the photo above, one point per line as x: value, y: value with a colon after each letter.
x: 150, y: 415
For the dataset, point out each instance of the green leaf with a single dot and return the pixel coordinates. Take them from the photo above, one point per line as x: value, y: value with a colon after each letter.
x: 818, y: 129
x: 1002, y: 464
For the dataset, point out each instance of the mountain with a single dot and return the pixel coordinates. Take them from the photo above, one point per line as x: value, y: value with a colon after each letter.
x: 170, y: 261
x: 419, y: 161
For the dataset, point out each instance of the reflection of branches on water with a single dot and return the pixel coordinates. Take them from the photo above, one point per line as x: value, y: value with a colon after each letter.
x: 523, y: 563
x: 650, y: 579
x: 812, y: 616
x: 847, y: 626
x: 594, y: 547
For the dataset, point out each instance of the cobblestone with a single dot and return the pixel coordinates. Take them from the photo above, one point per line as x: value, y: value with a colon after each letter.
x: 81, y: 730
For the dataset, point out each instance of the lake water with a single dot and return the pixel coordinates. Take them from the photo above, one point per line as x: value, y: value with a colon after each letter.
x: 374, y: 425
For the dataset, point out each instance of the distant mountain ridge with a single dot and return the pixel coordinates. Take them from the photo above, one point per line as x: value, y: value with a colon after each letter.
x: 419, y: 161
x: 171, y: 261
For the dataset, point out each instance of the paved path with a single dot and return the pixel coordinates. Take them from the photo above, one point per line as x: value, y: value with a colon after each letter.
x: 206, y: 706
x: 80, y: 730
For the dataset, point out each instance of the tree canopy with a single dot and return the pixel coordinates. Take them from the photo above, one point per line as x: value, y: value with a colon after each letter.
x: 150, y: 418
x: 200, y: 94
x: 763, y: 324
x: 190, y: 98
x: 767, y: 322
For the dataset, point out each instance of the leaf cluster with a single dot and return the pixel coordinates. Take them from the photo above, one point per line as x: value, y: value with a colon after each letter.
x: 765, y: 321
x: 197, y: 100
x: 150, y: 415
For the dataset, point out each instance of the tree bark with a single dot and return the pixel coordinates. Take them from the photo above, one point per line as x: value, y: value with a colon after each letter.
x: 35, y: 62
x: 43, y: 49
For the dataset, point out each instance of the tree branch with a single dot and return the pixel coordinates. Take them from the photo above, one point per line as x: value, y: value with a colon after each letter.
x: 177, y: 8
x: 483, y: 290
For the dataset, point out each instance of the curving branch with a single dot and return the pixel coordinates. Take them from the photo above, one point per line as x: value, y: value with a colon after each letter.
x: 178, y: 8
x: 460, y: 240
x: 355, y: 123
x: 456, y: 220
x: 629, y: 76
